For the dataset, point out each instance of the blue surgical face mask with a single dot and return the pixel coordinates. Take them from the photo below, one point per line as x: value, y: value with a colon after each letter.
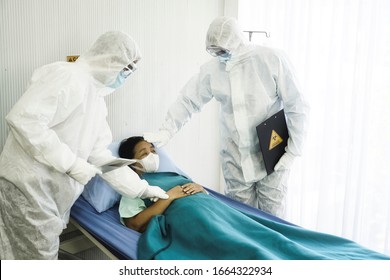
x: 225, y: 57
x: 119, y: 81
x: 123, y: 75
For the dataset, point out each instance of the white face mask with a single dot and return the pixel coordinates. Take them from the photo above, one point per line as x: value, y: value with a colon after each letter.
x: 149, y: 163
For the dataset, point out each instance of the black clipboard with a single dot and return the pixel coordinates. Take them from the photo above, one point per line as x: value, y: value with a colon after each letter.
x: 273, y: 136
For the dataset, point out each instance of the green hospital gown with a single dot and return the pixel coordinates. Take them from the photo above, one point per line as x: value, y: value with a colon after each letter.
x: 202, y: 227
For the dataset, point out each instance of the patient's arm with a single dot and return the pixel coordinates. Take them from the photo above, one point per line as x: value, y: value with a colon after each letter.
x: 141, y: 220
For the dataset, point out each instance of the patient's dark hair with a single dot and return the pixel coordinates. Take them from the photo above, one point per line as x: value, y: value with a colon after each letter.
x: 126, y: 147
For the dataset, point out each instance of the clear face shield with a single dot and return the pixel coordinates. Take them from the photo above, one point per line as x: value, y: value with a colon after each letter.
x: 129, y: 69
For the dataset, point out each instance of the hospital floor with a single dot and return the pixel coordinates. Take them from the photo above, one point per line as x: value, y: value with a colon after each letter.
x: 74, y: 245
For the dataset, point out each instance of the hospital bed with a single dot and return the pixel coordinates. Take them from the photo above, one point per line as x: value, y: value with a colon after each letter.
x: 117, y: 241
x: 113, y: 238
x: 96, y: 215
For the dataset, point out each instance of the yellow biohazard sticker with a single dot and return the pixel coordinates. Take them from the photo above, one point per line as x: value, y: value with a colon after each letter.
x: 275, y: 140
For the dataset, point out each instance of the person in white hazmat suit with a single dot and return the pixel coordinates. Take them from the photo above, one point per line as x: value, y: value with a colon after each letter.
x: 58, y: 137
x: 251, y: 83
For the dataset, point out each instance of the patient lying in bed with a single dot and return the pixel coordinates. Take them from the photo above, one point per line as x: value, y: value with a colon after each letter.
x: 194, y: 225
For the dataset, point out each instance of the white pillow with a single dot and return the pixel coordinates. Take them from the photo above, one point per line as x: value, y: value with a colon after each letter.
x: 102, y: 196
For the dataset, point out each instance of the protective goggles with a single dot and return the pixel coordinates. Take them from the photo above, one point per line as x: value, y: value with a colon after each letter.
x: 218, y: 51
x: 129, y: 69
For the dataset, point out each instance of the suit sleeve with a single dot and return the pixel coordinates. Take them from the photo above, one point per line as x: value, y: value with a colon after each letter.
x: 295, y: 106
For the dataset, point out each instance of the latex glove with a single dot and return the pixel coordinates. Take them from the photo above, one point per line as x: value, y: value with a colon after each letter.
x: 154, y: 193
x: 285, y: 162
x: 160, y: 138
x: 82, y: 171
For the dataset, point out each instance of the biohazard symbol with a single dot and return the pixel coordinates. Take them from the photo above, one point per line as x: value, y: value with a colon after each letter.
x: 275, y: 140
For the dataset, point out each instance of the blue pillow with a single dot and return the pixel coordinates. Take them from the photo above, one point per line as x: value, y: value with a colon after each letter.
x: 102, y: 196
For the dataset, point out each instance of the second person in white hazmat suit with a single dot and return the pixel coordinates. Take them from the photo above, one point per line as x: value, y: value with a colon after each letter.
x: 58, y: 137
x: 251, y: 83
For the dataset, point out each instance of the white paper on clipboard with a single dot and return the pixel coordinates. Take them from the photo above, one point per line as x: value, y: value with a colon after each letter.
x: 116, y: 163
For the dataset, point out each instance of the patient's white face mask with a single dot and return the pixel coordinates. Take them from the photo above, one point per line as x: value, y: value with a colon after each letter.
x: 149, y: 163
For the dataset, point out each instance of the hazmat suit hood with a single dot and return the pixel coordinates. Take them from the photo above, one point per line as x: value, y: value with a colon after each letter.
x: 225, y: 32
x: 111, y: 52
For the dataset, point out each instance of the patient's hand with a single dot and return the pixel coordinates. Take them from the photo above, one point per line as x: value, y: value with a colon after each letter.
x: 176, y: 192
x: 193, y: 188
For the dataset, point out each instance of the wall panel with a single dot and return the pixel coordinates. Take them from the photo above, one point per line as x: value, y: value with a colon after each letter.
x: 171, y: 35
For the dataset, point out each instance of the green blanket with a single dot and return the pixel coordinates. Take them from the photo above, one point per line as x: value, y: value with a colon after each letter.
x: 202, y: 227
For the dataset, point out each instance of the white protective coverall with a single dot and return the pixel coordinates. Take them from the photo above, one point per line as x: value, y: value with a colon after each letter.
x: 58, y: 132
x: 250, y: 87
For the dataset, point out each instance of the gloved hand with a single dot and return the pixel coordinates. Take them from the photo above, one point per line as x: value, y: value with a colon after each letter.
x: 160, y: 138
x: 285, y: 162
x: 82, y: 171
x: 154, y: 193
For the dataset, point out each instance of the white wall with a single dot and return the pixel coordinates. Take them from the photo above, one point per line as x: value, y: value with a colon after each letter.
x: 171, y: 35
